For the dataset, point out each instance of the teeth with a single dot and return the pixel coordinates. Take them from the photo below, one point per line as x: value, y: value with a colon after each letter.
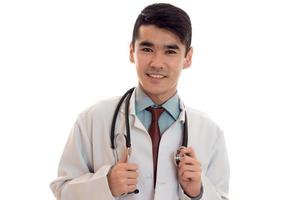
x: 156, y: 75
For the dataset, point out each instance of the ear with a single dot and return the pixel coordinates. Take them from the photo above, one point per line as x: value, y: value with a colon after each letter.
x: 131, y: 53
x: 188, y: 59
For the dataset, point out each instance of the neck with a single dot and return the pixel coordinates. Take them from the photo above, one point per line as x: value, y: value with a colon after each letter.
x: 159, y: 99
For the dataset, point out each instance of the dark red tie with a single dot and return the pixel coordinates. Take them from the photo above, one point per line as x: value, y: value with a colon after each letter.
x: 155, y: 136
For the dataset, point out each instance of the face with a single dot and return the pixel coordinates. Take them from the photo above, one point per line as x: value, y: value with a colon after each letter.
x: 159, y: 57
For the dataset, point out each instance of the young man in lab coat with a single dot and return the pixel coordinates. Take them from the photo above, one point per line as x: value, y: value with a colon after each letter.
x: 88, y: 170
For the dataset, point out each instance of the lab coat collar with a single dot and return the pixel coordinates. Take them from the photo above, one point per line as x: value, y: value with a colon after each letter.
x: 183, y: 111
x: 131, y: 104
x: 142, y: 101
x: 136, y: 122
x: 132, y: 112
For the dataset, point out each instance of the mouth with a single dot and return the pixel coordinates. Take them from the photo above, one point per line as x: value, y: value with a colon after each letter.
x: 155, y: 76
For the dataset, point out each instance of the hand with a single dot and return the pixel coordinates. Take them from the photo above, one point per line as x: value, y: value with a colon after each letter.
x: 122, y: 178
x: 189, y: 172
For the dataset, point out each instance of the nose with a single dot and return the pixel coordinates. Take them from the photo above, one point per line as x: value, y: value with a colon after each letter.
x: 157, y: 60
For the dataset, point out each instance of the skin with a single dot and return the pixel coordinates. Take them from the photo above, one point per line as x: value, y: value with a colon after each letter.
x: 189, y: 172
x: 159, y: 57
x: 122, y: 178
x: 159, y: 52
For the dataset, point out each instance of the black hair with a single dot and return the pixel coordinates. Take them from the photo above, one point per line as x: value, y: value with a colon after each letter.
x: 165, y: 16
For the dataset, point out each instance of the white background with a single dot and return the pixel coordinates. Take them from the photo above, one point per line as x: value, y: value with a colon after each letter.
x: 59, y: 57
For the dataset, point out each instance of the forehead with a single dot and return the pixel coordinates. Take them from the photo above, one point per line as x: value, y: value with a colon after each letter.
x: 157, y: 36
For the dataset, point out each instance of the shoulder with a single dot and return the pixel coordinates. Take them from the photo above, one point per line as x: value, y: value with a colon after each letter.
x: 202, y: 124
x: 199, y: 116
x: 197, y: 113
x: 102, y: 110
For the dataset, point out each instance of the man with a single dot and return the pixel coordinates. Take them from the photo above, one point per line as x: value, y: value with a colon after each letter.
x: 89, y: 169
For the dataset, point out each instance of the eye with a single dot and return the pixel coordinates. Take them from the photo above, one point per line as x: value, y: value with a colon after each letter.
x: 146, y: 49
x: 171, y: 52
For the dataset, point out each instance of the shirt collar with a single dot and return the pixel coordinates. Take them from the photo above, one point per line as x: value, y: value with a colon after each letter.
x: 143, y: 101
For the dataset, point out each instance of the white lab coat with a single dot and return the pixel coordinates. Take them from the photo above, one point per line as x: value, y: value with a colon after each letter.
x: 87, y: 156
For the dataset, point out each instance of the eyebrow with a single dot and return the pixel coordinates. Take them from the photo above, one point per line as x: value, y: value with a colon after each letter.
x: 172, y: 46
x: 146, y: 43
x: 168, y: 46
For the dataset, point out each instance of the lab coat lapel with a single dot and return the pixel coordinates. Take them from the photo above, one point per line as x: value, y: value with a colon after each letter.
x: 132, y: 116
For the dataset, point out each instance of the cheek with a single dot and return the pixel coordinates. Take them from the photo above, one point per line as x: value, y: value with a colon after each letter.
x: 177, y: 74
x: 141, y: 62
x: 137, y: 59
x: 176, y: 68
x: 140, y: 68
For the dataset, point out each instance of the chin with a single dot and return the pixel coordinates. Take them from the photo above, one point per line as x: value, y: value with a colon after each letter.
x: 152, y: 89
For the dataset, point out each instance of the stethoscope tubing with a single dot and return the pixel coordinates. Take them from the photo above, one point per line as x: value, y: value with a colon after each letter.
x: 127, y: 96
x: 113, y: 124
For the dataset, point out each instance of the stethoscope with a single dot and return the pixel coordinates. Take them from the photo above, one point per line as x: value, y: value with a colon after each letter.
x: 126, y: 97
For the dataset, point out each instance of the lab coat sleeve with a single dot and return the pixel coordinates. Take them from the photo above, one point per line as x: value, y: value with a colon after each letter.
x: 215, y: 181
x: 76, y: 177
x: 186, y: 197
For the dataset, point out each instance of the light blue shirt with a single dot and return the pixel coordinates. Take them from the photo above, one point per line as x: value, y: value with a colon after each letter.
x: 167, y: 118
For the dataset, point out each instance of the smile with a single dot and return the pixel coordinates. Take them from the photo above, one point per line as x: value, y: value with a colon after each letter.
x: 156, y: 76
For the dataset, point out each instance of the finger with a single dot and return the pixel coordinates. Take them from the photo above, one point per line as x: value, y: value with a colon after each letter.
x: 131, y: 166
x: 131, y: 181
x: 188, y: 161
x: 181, y: 151
x: 189, y: 151
x: 131, y: 188
x: 191, y: 168
x: 127, y: 166
x: 192, y: 152
x: 122, y: 157
x: 119, y: 171
x: 191, y: 176
x: 132, y: 174
x: 125, y: 185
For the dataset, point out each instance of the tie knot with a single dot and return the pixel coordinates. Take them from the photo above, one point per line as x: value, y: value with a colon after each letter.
x: 156, y: 112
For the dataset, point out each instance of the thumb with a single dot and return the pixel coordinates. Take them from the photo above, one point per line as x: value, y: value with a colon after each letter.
x: 123, y: 157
